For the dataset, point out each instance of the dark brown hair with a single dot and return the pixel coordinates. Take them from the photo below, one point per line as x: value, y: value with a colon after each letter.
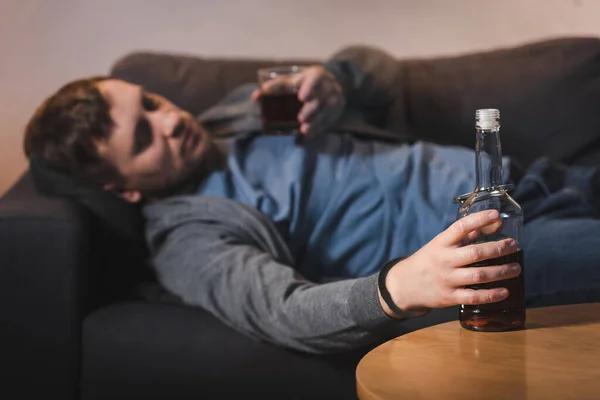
x: 65, y: 128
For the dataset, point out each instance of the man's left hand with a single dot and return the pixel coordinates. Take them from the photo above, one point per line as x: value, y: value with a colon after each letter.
x: 322, y: 96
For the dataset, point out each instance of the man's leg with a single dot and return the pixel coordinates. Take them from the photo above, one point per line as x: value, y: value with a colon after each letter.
x: 561, y: 237
x: 562, y: 261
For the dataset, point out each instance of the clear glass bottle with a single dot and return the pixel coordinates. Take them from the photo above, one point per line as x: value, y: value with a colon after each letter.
x: 490, y: 193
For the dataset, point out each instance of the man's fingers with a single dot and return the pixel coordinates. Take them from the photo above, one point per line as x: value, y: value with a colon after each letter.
x: 477, y: 275
x: 462, y: 227
x: 481, y: 296
x: 304, y: 128
x: 308, y: 88
x: 491, y: 229
x: 319, y: 122
x: 256, y: 94
x: 470, y: 238
x: 474, y: 253
x: 308, y: 111
x: 485, y: 231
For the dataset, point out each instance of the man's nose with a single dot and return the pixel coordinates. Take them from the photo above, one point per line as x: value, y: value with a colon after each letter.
x: 169, y: 123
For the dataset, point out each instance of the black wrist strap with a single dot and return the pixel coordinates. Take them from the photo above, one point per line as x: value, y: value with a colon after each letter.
x: 385, y: 294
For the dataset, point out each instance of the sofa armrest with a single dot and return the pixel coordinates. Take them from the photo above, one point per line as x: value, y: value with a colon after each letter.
x: 43, y: 248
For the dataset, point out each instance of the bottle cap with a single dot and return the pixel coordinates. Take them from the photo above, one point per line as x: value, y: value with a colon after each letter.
x: 487, y: 118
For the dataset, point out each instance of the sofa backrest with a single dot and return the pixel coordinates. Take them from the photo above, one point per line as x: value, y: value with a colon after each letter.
x: 191, y: 82
x: 547, y: 92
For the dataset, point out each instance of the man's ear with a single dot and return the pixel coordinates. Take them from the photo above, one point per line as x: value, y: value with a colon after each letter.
x: 131, y: 196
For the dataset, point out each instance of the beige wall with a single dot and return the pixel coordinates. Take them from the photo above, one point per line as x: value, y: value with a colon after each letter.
x: 45, y: 43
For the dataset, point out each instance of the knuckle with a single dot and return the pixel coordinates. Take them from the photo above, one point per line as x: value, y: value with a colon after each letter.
x: 460, y: 226
x: 445, y: 279
x: 472, y: 298
x: 477, y: 275
x: 446, y: 299
x: 311, y: 107
x: 500, y: 248
x: 480, y: 219
x: 474, y: 253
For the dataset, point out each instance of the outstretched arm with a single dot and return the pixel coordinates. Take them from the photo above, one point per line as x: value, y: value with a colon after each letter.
x: 236, y: 276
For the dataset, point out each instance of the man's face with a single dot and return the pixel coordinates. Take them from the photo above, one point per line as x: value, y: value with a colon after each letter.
x: 154, y: 144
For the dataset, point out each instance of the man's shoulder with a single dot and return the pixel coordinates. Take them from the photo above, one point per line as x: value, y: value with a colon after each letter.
x: 201, y: 217
x: 179, y: 209
x: 211, y: 222
x: 204, y: 216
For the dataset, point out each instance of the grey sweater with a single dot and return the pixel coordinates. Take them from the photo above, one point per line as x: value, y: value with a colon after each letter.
x: 230, y: 260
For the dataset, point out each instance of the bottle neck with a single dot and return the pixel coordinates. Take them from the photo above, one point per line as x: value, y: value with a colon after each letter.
x: 488, y: 159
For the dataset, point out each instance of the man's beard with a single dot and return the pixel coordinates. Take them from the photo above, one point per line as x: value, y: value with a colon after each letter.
x: 212, y: 160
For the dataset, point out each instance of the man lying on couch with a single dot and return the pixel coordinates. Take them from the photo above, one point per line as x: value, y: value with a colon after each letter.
x: 282, y: 238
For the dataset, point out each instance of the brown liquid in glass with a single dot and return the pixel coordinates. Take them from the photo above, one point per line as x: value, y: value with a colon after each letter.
x: 280, y: 112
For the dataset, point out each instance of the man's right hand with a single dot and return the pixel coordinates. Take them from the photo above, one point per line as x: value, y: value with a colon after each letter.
x: 433, y: 277
x: 318, y: 89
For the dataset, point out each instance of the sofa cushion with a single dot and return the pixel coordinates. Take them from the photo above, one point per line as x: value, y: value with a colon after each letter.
x: 144, y: 350
x: 141, y: 350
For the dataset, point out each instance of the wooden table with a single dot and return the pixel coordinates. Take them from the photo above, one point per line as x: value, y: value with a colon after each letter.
x: 557, y: 356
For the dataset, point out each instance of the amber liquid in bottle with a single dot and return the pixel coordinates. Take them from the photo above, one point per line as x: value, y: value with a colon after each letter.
x: 490, y: 193
x: 503, y: 315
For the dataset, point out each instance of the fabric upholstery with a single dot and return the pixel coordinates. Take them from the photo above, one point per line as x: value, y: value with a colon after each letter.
x: 548, y: 94
x: 153, y: 351
x: 137, y: 350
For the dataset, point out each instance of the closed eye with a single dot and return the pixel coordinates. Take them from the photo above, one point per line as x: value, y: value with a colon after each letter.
x: 142, y: 136
x: 149, y: 103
